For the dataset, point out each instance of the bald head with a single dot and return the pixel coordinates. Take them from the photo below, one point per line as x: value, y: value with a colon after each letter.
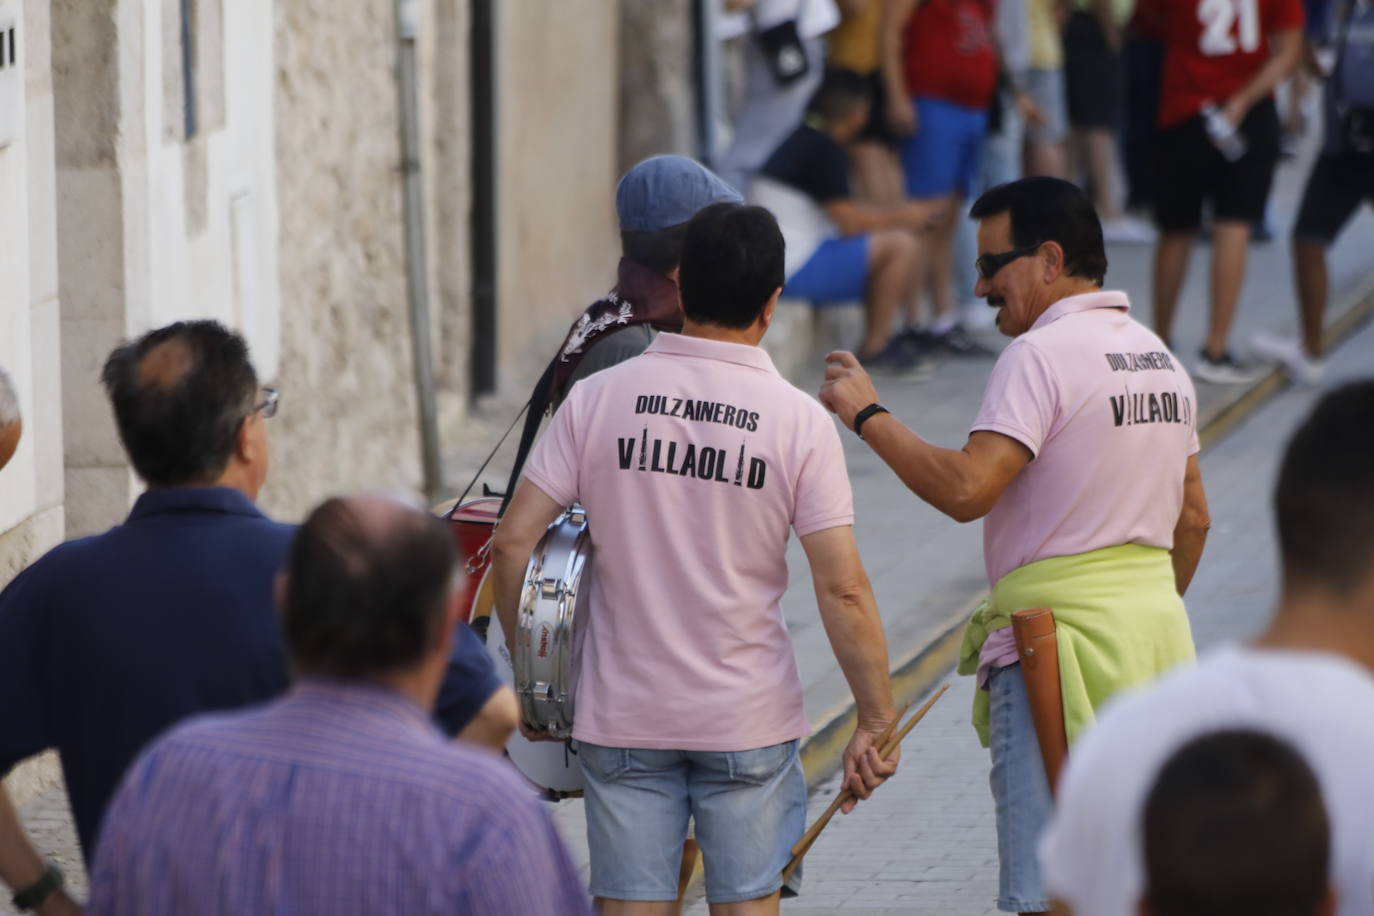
x: 11, y: 425
x: 368, y: 582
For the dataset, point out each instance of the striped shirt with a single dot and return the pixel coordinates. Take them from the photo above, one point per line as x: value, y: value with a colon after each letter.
x: 338, y: 798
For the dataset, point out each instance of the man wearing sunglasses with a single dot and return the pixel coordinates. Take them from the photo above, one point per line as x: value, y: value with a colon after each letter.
x: 1083, y: 459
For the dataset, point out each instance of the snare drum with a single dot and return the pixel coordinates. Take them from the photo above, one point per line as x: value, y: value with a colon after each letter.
x: 550, y: 765
x: 548, y: 639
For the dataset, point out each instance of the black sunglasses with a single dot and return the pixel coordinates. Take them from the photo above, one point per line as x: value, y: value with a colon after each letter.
x: 989, y: 264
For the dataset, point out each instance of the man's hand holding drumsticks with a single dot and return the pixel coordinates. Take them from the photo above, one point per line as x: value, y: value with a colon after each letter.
x: 864, y: 768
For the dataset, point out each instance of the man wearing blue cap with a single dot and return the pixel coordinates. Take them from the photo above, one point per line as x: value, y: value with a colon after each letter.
x: 654, y: 201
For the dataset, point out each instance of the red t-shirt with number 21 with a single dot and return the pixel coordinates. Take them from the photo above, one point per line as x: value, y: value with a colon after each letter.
x: 1212, y: 47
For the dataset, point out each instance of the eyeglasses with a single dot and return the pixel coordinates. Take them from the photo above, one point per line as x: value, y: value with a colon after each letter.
x: 268, y: 405
x: 989, y: 264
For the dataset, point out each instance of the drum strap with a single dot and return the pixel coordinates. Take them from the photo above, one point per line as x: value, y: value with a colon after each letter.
x: 535, y: 408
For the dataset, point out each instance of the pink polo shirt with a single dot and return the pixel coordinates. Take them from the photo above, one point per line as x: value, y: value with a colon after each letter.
x: 694, y: 462
x: 1111, y: 418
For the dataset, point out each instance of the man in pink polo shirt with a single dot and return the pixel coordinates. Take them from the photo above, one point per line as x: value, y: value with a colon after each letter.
x: 1083, y: 458
x: 694, y: 462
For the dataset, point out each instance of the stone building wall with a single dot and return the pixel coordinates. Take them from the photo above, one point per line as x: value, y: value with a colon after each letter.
x: 559, y: 128
x: 348, y: 401
x: 31, y: 485
x: 657, y: 99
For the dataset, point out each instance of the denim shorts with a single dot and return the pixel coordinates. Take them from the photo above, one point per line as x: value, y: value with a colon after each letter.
x: 1020, y: 791
x: 837, y: 271
x: 749, y: 806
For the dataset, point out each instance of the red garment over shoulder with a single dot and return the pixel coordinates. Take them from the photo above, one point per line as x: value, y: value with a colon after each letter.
x: 1212, y: 48
x: 950, y: 54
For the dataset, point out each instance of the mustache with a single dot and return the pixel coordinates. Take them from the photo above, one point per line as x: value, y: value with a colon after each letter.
x: 996, y: 302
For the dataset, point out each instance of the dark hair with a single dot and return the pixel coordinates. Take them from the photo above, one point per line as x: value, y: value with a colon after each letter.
x: 1050, y: 210
x: 1235, y: 825
x: 839, y: 94
x: 1324, y: 501
x: 179, y: 395
x: 366, y: 588
x: 660, y: 250
x: 731, y: 264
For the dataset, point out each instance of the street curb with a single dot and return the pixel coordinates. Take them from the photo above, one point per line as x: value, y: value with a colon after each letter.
x: 924, y: 665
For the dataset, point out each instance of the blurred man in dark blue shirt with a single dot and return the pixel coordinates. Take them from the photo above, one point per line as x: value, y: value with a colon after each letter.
x: 108, y: 640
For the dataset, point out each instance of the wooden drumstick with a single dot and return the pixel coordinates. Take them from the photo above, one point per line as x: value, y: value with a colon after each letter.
x: 888, y: 743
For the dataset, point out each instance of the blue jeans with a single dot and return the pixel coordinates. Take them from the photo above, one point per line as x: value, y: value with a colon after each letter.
x: 1020, y: 791
x: 750, y: 808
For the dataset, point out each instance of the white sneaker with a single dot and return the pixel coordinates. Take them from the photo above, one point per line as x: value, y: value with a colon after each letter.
x: 1288, y: 352
x: 1125, y: 230
x: 1226, y: 371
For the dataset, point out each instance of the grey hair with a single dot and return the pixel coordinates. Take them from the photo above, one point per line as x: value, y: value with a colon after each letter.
x: 9, y: 401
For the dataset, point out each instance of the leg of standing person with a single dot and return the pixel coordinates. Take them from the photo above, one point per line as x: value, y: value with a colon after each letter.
x: 768, y: 112
x: 1240, y: 195
x: 1230, y: 243
x: 1044, y: 144
x: 1172, y: 253
x: 1095, y: 98
x: 1336, y: 187
x: 1020, y: 792
x: 1145, y: 65
x: 1002, y: 152
x: 1184, y: 163
x: 941, y: 161
x: 927, y: 166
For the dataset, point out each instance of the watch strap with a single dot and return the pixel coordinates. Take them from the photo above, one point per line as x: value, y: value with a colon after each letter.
x: 862, y: 416
x: 33, y: 896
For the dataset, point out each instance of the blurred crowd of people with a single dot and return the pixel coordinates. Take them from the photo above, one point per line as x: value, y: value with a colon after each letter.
x: 866, y: 125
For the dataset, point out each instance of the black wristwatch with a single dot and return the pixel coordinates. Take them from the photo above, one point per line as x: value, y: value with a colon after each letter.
x: 863, y: 415
x: 33, y: 896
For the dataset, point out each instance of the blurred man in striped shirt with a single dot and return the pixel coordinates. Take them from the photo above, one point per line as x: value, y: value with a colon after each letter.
x: 341, y: 797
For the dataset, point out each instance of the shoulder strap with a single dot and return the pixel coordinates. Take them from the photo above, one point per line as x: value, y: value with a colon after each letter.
x: 534, y: 415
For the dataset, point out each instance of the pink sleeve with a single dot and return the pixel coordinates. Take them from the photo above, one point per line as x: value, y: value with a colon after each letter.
x: 823, y: 498
x: 1022, y: 397
x: 554, y: 461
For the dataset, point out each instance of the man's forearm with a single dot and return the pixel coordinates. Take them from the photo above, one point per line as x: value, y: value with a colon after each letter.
x: 939, y: 476
x: 507, y: 573
x: 1186, y: 555
x: 20, y: 864
x: 1287, y: 53
x: 856, y: 636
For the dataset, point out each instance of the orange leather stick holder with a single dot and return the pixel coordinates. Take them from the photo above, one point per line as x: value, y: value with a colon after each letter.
x: 1038, y: 649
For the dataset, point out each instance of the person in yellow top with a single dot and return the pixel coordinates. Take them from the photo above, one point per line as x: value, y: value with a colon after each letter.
x: 1044, y: 142
x: 855, y: 45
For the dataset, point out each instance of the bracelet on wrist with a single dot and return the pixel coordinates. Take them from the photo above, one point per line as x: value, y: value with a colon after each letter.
x: 864, y: 415
x: 34, y: 896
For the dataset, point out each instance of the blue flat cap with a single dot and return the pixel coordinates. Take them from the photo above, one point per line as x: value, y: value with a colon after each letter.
x: 666, y: 191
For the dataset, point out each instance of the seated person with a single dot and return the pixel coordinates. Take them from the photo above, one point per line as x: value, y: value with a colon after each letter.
x: 841, y: 248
